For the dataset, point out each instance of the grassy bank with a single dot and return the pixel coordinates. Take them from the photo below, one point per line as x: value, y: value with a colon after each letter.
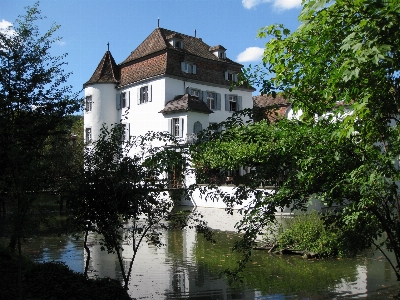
x: 52, y: 281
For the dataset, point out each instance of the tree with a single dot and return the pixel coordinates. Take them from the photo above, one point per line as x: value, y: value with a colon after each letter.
x: 340, y: 69
x: 125, y: 193
x: 34, y: 98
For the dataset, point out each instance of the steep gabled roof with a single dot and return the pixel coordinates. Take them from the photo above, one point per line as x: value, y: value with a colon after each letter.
x: 158, y: 41
x: 186, y: 103
x: 106, y: 72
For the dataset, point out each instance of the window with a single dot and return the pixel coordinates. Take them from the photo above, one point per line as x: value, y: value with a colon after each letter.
x: 88, y: 135
x: 188, y: 67
x: 213, y: 127
x: 178, y: 44
x: 233, y: 103
x: 221, y: 54
x: 122, y: 100
x: 197, y: 127
x: 211, y: 100
x: 125, y: 134
x: 195, y: 93
x: 88, y: 103
x: 176, y: 127
x: 230, y: 76
x: 144, y: 94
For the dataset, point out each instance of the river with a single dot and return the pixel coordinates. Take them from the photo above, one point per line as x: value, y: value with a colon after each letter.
x: 189, y: 267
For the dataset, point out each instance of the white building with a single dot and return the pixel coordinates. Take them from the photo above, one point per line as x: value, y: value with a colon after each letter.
x: 170, y: 82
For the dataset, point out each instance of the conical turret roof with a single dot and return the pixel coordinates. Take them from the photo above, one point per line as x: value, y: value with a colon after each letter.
x: 106, y: 72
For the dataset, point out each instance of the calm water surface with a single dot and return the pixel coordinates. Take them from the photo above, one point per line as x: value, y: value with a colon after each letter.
x: 189, y: 267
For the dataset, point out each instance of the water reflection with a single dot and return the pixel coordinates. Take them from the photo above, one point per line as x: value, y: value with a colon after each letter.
x: 188, y: 266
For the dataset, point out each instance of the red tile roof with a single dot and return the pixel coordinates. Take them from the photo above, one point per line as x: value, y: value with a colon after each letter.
x: 156, y: 56
x: 106, y: 72
x: 268, y: 100
x: 186, y: 103
x: 270, y: 108
x: 158, y: 40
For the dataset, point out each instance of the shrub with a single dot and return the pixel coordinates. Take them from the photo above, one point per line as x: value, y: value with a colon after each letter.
x: 309, y: 233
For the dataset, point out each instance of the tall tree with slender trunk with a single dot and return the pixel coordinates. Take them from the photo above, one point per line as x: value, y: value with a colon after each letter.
x: 34, y: 98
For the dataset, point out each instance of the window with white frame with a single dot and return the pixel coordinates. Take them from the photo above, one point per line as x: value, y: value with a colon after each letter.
x: 126, y: 132
x: 188, y: 67
x: 176, y: 43
x: 122, y: 100
x: 176, y: 127
x: 231, y: 76
x: 88, y: 103
x: 144, y: 94
x: 233, y: 103
x: 212, y: 100
x: 195, y: 92
x: 88, y: 135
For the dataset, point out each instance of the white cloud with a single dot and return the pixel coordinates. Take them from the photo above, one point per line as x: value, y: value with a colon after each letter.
x: 4, y: 27
x: 287, y: 4
x: 250, y: 54
x: 279, y: 4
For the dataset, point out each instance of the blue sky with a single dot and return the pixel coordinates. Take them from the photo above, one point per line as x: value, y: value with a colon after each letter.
x: 88, y: 25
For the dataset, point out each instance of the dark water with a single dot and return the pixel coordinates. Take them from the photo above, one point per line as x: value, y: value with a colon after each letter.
x: 189, y: 267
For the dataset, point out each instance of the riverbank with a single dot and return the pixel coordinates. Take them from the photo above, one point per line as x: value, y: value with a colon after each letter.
x: 52, y: 280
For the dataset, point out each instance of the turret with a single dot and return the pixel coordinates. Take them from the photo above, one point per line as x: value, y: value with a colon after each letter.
x: 100, y: 95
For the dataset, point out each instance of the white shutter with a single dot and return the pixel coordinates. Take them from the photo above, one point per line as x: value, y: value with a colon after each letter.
x: 170, y: 126
x: 226, y: 75
x: 127, y: 98
x: 181, y: 127
x: 235, y: 78
x: 150, y: 92
x: 183, y: 66
x: 138, y: 95
x: 118, y: 102
x: 226, y: 102
x: 194, y: 69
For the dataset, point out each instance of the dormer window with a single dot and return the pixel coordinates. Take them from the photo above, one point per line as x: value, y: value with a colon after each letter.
x: 231, y: 76
x: 188, y: 67
x: 178, y: 44
x: 175, y: 40
x: 218, y: 51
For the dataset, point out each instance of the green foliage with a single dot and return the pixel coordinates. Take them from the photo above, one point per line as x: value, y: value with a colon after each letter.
x: 34, y: 100
x: 340, y: 69
x: 312, y: 234
x: 53, y: 281
x: 124, y: 194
